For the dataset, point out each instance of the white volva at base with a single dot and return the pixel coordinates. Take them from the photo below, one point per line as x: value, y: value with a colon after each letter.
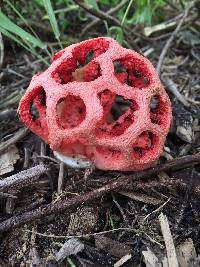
x: 73, y: 161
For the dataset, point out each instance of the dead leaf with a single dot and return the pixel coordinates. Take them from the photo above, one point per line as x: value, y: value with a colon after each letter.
x: 115, y: 248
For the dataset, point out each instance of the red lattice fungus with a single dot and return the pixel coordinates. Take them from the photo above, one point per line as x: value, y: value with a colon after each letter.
x: 100, y: 101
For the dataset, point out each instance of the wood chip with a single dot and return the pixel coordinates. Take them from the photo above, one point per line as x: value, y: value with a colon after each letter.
x: 169, y: 244
x: 114, y: 247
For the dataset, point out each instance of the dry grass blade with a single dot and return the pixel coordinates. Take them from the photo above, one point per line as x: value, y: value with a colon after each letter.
x: 169, y: 244
x: 123, y: 260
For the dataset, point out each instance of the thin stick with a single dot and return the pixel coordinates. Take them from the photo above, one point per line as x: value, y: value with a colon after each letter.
x: 1, y: 51
x: 23, y: 178
x: 156, y: 210
x: 105, y: 16
x: 169, y: 41
x: 98, y: 21
x: 61, y: 177
x: 18, y: 136
x: 98, y: 13
x: 85, y: 235
x: 120, y: 182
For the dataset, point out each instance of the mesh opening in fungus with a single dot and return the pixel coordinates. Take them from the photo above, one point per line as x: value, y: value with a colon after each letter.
x: 81, y: 67
x: 34, y: 111
x: 71, y: 111
x: 145, y: 145
x: 132, y: 71
x: 158, y: 110
x: 38, y: 105
x: 118, y: 114
x: 91, y: 49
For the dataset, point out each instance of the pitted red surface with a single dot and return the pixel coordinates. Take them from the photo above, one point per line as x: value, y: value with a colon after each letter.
x: 100, y: 100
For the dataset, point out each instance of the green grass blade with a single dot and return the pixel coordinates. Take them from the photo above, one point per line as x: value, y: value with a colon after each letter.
x: 21, y: 17
x: 25, y: 45
x: 14, y: 38
x: 52, y: 18
x: 126, y: 12
x: 8, y: 25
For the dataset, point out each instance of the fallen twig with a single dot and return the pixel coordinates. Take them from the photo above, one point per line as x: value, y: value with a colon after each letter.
x: 17, y: 136
x: 8, y: 114
x: 107, y: 17
x: 121, y: 181
x: 169, y: 41
x: 171, y: 86
x: 98, y: 20
x: 98, y: 13
x: 23, y: 178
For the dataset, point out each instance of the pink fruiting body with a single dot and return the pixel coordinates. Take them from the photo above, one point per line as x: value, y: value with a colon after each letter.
x: 102, y: 101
